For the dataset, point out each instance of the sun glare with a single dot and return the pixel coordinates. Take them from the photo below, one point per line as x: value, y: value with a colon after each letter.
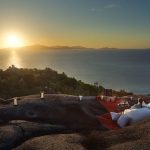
x: 13, y: 40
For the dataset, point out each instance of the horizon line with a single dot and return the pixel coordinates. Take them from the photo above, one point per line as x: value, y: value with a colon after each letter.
x: 73, y: 46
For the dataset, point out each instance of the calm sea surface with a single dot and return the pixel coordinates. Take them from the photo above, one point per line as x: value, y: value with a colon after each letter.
x: 117, y: 69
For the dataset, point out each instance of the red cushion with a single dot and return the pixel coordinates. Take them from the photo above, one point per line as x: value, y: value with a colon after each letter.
x: 105, y: 119
x: 109, y: 105
x: 107, y: 122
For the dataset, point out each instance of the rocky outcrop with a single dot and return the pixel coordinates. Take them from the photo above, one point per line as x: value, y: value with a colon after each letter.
x: 50, y: 115
x: 57, y: 121
x: 55, y: 109
x: 54, y: 142
x: 14, y: 134
x: 135, y: 137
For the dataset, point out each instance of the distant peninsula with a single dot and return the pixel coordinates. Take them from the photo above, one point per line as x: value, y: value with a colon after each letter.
x: 16, y: 82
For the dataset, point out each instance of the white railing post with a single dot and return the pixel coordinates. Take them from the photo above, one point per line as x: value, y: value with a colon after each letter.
x: 15, y: 101
x: 42, y: 94
x: 80, y: 97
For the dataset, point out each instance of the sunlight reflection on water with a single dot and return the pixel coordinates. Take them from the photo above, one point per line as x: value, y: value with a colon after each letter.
x: 14, y: 59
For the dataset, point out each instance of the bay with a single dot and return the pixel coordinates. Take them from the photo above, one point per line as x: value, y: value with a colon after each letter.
x: 116, y: 69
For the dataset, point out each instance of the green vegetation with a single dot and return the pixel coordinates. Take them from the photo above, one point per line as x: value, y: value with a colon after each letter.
x: 19, y: 82
x: 16, y: 82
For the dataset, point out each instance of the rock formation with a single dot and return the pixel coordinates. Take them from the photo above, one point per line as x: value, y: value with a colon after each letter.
x: 49, y: 115
x: 58, y: 122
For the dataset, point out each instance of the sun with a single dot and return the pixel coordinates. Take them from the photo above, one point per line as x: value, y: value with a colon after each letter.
x: 13, y: 40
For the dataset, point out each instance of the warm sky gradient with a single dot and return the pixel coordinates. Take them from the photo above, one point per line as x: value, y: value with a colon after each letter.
x: 90, y: 23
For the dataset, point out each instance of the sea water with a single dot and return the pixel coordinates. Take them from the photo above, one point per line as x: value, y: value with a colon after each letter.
x: 116, y: 69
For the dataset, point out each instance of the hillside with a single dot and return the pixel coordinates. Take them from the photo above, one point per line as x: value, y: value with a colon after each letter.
x: 20, y: 82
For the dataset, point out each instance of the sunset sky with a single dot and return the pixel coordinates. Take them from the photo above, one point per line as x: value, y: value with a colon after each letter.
x: 90, y: 23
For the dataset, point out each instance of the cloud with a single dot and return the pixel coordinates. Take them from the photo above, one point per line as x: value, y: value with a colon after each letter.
x: 96, y: 9
x: 111, y: 6
x: 93, y: 9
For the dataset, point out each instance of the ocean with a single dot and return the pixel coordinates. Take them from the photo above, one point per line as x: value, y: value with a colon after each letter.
x: 117, y: 69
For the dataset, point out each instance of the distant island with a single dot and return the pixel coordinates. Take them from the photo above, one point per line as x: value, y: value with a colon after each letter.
x: 43, y: 47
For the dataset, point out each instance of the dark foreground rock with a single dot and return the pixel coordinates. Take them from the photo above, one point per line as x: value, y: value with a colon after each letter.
x: 14, y: 134
x: 51, y: 115
x: 53, y: 142
x: 55, y: 109
x: 135, y: 137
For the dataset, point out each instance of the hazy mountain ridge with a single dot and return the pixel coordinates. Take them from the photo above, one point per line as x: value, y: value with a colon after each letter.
x: 43, y: 47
